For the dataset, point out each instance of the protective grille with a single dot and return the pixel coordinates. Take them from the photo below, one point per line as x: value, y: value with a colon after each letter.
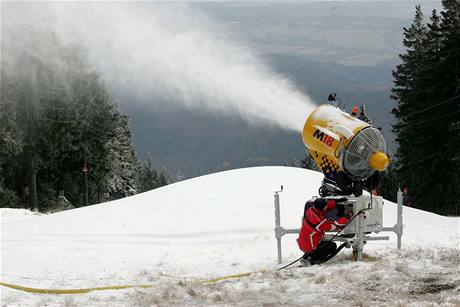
x: 355, y: 160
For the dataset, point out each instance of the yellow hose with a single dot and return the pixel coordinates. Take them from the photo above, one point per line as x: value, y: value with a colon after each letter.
x: 119, y: 287
x: 71, y: 291
x: 227, y: 277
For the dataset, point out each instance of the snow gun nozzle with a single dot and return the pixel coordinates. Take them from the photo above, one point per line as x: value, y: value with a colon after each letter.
x: 379, y: 161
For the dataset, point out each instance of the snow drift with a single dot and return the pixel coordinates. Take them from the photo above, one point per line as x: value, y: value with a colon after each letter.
x: 211, y: 226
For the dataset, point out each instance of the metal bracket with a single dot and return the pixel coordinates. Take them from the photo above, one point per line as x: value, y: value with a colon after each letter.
x: 279, y: 232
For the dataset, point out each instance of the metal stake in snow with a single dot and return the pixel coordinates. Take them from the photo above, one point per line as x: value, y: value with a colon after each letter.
x: 278, y: 223
x: 398, y: 226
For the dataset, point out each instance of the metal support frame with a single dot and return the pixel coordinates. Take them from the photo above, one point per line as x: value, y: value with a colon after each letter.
x: 279, y: 231
x: 398, y: 227
x: 357, y: 242
x: 359, y: 246
x: 399, y: 224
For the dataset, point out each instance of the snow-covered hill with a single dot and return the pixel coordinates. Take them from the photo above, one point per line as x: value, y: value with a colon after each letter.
x: 212, y: 226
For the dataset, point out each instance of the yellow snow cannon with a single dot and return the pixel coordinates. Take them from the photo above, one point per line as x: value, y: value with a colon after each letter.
x: 350, y: 152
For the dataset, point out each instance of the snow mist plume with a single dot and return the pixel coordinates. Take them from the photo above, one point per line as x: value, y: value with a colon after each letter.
x: 171, y: 51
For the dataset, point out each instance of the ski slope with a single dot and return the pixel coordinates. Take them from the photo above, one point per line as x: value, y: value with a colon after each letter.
x: 212, y: 226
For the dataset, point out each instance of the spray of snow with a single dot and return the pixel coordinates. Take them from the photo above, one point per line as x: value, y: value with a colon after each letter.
x: 170, y: 52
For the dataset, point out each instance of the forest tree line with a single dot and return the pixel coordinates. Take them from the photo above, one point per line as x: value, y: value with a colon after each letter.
x: 427, y: 92
x: 58, y: 124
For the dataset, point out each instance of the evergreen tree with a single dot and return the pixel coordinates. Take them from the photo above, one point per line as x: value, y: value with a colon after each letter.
x: 407, y: 84
x: 308, y: 162
x: 389, y: 184
x: 426, y: 89
x: 446, y: 113
x: 27, y: 98
x: 150, y: 178
x: 123, y: 177
x: 55, y: 116
x: 11, y: 143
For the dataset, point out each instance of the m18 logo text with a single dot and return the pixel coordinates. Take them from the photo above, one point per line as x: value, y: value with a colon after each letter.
x: 326, y: 139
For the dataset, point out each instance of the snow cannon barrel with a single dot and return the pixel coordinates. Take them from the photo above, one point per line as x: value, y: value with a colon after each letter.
x: 338, y: 141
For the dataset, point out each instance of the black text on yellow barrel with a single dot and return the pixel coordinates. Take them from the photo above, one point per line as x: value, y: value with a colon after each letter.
x: 327, y: 133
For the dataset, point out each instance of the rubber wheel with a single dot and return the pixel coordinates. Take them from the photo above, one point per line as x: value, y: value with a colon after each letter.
x: 323, y: 192
x: 358, y: 190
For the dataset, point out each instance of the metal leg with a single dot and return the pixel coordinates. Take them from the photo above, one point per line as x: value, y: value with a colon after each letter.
x: 355, y: 254
x: 280, y: 257
x: 277, y: 226
x: 360, y: 238
x: 399, y: 223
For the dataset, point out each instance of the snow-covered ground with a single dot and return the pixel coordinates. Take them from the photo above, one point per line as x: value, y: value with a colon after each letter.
x: 217, y: 225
